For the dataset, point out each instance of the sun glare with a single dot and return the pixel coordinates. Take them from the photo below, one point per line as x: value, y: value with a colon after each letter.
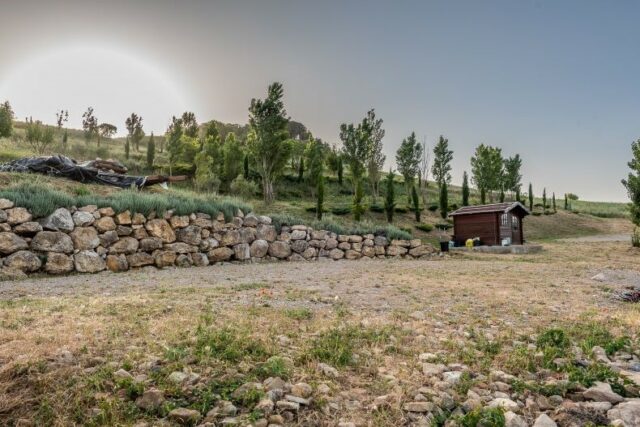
x: 76, y: 77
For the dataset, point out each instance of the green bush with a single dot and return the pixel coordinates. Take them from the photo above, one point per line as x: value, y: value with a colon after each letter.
x: 425, y: 227
x: 401, y: 209
x: 341, y: 210
x: 376, y: 208
x: 433, y: 208
x: 443, y: 226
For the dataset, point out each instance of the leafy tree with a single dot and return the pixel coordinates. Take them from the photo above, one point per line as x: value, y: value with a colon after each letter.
x: 106, y: 130
x: 151, y: 151
x: 134, y: 127
x: 246, y: 166
x: 408, y: 159
x: 486, y: 169
x: 89, y: 124
x: 127, y: 148
x: 189, y: 124
x: 6, y: 119
x: 205, y: 177
x: 269, y: 143
x: 572, y: 196
x: 62, y: 117
x: 174, y: 142
x: 315, y: 153
x: 444, y: 201
x: 38, y: 136
x: 358, y: 198
x: 233, y: 157
x: 566, y: 202
x: 544, y: 199
x: 390, y: 197
x: 300, y: 169
x: 442, y: 156
x: 340, y: 170
x: 355, y: 147
x: 320, y: 197
x: 423, y: 175
x: 210, y: 143
x: 632, y: 184
x: 465, y: 189
x: 512, y: 177
x: 416, y: 202
x: 530, y: 197
x: 376, y: 158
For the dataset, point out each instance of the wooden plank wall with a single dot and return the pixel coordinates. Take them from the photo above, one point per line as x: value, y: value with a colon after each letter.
x: 484, y: 226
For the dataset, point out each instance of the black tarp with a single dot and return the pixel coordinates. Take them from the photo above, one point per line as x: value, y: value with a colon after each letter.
x: 63, y: 166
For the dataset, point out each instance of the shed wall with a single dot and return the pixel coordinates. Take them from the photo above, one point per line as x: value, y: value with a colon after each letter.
x: 485, y: 226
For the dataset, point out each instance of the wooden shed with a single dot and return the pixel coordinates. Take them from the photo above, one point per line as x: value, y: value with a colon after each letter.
x: 491, y: 223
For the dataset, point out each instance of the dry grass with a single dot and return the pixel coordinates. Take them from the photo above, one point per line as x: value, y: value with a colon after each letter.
x: 61, y: 343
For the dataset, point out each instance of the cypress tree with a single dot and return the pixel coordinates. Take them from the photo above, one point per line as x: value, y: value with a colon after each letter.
x: 566, y: 202
x: 246, y: 166
x: 340, y: 170
x: 151, y: 152
x: 444, y: 201
x: 530, y: 197
x: 501, y: 195
x: 320, y: 204
x: 127, y: 147
x: 544, y: 199
x: 518, y: 194
x: 416, y: 202
x: 553, y: 202
x: 390, y: 197
x: 358, y: 208
x: 465, y: 189
x: 301, y: 169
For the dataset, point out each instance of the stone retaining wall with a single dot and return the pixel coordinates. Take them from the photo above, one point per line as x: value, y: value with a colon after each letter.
x: 89, y: 240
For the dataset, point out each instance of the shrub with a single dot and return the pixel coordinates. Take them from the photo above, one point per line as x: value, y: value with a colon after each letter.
x: 443, y: 226
x: 425, y: 227
x: 401, y: 209
x: 433, y: 208
x: 341, y: 210
x: 243, y: 187
x: 376, y: 208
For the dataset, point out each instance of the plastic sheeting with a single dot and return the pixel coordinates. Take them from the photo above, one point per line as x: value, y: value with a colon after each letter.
x: 63, y: 166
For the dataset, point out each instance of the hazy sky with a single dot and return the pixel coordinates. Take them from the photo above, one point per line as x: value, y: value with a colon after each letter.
x: 556, y: 81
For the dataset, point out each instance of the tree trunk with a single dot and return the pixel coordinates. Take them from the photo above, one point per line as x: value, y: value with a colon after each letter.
x: 267, y: 190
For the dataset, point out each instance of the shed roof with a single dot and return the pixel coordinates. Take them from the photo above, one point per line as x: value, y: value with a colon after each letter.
x: 495, y: 207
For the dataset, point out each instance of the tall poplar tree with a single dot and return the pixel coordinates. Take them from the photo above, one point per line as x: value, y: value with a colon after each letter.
x: 408, y: 159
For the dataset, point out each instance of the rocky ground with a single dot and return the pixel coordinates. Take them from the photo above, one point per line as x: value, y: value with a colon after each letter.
x: 468, y: 340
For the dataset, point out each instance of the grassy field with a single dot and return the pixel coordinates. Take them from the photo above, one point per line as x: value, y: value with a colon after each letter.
x: 362, y: 342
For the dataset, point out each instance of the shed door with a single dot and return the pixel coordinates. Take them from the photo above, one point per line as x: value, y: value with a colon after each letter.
x: 515, y: 230
x: 505, y: 227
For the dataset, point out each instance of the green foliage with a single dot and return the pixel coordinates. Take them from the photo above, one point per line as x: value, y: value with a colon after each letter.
x: 233, y: 158
x: 89, y: 124
x: 424, y: 227
x: 544, y: 199
x: 356, y: 147
x: 301, y: 169
x: 246, y: 166
x: 486, y: 169
x: 483, y: 417
x: 572, y: 196
x: 340, y: 170
x: 299, y: 313
x: 226, y: 343
x: 6, y: 120
x: 511, y: 178
x: 337, y: 346
x: 442, y: 156
x: 444, y: 201
x: 205, y: 177
x: 408, y: 159
x: 275, y: 366
x: 341, y: 210
x: 134, y: 128
x: 151, y: 151
x: 390, y: 197
x: 38, y: 136
x: 632, y: 183
x: 416, y: 203
x: 243, y: 188
x: 174, y: 142
x: 376, y: 159
x: 465, y: 189
x: 531, y: 197
x: 315, y: 153
x: 320, y: 198
x: 358, y: 198
x: 268, y: 143
x: 42, y: 201
x: 189, y: 124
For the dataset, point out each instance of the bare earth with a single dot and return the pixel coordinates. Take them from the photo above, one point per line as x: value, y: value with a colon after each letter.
x: 55, y: 329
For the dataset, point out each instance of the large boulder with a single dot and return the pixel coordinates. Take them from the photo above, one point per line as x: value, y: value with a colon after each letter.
x: 59, y: 220
x: 117, y: 263
x: 52, y: 241
x: 336, y: 254
x: 266, y: 232
x: 10, y: 243
x: 394, y: 250
x: 179, y: 221
x: 351, y: 254
x: 331, y: 244
x: 25, y: 261
x: 280, y: 249
x: 6, y: 204
x: 247, y: 235
x: 421, y: 250
x: 18, y: 216
x: 58, y: 263
x: 164, y: 258
x: 161, y: 228
x: 190, y: 234
x: 230, y: 238
x: 123, y: 218
x: 150, y: 244
x: 259, y: 248
x: 220, y: 254
x: 85, y: 238
x: 299, y: 246
x: 82, y: 218
x: 140, y: 259
x: 27, y: 228
x: 106, y: 223
x: 88, y: 262
x: 108, y: 238
x: 628, y: 412
x: 126, y: 245
x: 251, y: 220
x: 242, y: 251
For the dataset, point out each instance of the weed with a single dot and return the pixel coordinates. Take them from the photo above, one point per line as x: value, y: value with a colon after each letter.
x: 301, y: 313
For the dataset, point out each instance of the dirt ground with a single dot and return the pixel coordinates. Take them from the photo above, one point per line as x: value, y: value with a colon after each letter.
x: 53, y: 329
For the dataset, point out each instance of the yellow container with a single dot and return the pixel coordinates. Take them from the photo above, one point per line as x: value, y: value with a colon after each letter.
x: 469, y: 243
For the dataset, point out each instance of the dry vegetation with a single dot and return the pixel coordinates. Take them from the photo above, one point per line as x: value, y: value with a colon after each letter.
x: 68, y: 345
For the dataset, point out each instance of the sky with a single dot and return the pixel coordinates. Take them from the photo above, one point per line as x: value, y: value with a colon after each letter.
x: 555, y: 81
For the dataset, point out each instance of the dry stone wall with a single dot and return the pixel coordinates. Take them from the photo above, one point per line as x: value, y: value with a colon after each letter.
x: 91, y: 239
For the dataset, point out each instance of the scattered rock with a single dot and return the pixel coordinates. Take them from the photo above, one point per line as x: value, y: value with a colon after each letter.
x: 184, y: 416
x: 543, y: 420
x: 602, y: 392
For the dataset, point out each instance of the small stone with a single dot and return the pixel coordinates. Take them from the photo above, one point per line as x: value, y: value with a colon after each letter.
x: 184, y: 416
x: 544, y: 421
x: 602, y: 392
x: 121, y: 374
x: 419, y: 407
x: 504, y: 403
x: 286, y: 405
x: 303, y: 390
x: 150, y: 400
x: 628, y: 412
